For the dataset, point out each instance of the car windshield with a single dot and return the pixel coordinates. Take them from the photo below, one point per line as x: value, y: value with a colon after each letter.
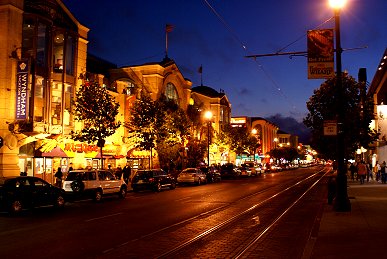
x: 143, y: 174
x: 72, y: 176
x: 204, y: 169
x: 227, y: 167
x: 189, y: 171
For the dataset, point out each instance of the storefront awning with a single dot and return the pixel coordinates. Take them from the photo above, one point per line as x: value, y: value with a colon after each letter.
x: 55, y: 152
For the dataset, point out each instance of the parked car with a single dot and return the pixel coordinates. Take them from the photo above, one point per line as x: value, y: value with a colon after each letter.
x: 212, y: 174
x: 229, y: 170
x: 191, y: 176
x: 154, y: 180
x: 260, y: 168
x: 94, y: 184
x: 22, y: 192
x: 249, y: 167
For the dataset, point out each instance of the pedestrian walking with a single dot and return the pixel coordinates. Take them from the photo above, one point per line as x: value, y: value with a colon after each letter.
x: 58, y: 176
x: 127, y: 171
x: 361, y: 171
x: 383, y: 172
x: 352, y: 169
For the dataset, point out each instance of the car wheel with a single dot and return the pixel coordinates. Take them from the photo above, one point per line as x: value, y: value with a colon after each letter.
x: 158, y: 187
x: 172, y: 186
x: 16, y: 207
x: 122, y: 193
x: 59, y: 201
x: 199, y: 182
x: 98, y: 195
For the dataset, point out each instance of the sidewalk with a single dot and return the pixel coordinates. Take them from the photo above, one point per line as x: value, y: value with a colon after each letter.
x: 360, y: 233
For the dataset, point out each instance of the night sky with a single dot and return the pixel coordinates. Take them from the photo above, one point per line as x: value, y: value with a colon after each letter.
x: 218, y: 34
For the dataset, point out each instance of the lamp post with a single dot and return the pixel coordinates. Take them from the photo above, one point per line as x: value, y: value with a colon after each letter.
x: 254, y: 132
x: 208, y: 116
x: 341, y: 202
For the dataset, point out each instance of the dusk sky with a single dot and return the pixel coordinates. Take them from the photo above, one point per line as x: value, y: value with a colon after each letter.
x: 218, y: 34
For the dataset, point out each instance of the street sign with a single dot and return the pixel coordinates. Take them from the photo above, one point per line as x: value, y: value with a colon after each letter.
x: 330, y: 128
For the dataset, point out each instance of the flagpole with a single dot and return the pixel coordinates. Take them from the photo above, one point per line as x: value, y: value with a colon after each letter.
x: 166, y: 42
x: 201, y: 74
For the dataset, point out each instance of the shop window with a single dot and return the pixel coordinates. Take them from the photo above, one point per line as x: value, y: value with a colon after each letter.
x: 39, y: 107
x: 58, y: 46
x: 56, y: 104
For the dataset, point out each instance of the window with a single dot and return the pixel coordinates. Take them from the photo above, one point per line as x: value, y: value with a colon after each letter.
x: 41, y: 51
x: 70, y: 52
x: 28, y: 38
x: 67, y: 112
x: 56, y: 104
x: 39, y: 183
x: 58, y: 46
x: 171, y: 93
x: 39, y: 104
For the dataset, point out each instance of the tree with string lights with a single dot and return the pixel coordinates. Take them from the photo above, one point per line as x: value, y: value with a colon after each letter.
x: 97, y: 109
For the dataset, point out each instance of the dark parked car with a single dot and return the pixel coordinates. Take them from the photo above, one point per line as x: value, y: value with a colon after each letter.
x: 22, y: 192
x: 212, y: 174
x: 154, y: 180
x: 229, y: 170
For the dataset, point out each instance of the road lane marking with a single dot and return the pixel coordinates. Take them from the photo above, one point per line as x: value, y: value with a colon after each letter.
x: 103, y: 217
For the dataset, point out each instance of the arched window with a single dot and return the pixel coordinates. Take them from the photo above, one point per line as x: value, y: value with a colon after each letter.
x: 171, y: 93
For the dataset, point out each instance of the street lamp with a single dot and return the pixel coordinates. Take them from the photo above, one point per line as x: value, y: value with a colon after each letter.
x: 341, y: 202
x: 208, y: 116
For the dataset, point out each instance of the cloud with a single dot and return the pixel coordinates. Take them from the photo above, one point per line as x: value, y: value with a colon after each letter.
x: 291, y: 126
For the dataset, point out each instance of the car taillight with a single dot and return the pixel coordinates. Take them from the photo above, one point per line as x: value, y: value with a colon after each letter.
x: 151, y: 180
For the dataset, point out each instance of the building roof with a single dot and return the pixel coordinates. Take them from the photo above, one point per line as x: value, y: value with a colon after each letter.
x: 207, y: 91
x: 381, y: 71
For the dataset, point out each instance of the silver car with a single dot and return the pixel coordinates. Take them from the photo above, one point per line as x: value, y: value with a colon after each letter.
x: 191, y: 176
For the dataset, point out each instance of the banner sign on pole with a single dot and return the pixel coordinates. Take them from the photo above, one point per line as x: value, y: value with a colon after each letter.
x: 22, y: 90
x: 320, y: 54
x: 330, y: 128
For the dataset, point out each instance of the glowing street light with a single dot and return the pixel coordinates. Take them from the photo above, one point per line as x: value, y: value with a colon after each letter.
x: 208, y: 117
x: 341, y: 202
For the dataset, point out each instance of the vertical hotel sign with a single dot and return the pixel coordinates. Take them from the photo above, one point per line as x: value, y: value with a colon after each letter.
x: 22, y: 90
x: 320, y: 54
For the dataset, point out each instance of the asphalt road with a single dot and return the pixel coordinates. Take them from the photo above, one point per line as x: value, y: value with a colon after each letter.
x: 145, y: 224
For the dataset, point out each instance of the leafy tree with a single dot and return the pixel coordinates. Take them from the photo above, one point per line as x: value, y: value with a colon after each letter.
x: 177, y: 125
x: 358, y: 109
x: 195, y: 152
x: 144, y: 123
x: 238, y: 139
x: 97, y: 109
x: 160, y: 125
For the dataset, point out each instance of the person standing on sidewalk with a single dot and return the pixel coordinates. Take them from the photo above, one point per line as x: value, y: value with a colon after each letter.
x: 352, y: 169
x: 375, y: 171
x: 369, y: 172
x: 383, y: 172
x: 361, y: 171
